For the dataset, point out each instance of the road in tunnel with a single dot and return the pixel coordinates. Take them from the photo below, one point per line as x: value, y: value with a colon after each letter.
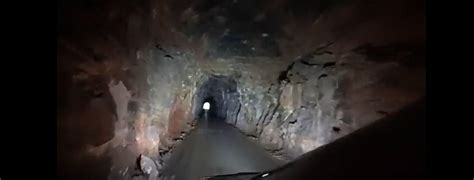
x: 215, y: 148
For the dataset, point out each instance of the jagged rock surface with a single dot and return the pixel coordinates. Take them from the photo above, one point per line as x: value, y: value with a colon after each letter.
x: 130, y: 74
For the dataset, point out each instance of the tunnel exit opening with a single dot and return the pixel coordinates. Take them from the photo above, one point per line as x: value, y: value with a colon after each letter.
x: 220, y: 92
x: 212, y: 103
x: 206, y: 106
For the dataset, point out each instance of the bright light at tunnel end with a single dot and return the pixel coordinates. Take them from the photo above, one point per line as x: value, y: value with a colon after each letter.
x: 206, y: 106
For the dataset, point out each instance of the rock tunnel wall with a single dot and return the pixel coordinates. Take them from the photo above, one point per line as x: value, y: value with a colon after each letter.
x: 132, y: 75
x: 334, y: 71
x: 125, y: 86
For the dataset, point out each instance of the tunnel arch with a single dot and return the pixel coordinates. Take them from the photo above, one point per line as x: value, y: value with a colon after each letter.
x: 221, y: 92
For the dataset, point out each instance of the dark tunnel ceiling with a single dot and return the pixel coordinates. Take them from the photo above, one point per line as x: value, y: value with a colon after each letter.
x: 244, y: 27
x: 220, y: 92
x: 234, y: 27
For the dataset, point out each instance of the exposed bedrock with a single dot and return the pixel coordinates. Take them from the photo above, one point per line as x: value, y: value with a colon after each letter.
x: 132, y: 75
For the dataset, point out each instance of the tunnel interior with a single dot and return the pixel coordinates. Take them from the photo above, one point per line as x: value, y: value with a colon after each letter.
x: 221, y: 93
x: 133, y: 77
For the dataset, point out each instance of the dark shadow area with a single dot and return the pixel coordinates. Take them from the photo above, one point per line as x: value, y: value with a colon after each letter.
x: 391, y: 148
x: 220, y: 92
